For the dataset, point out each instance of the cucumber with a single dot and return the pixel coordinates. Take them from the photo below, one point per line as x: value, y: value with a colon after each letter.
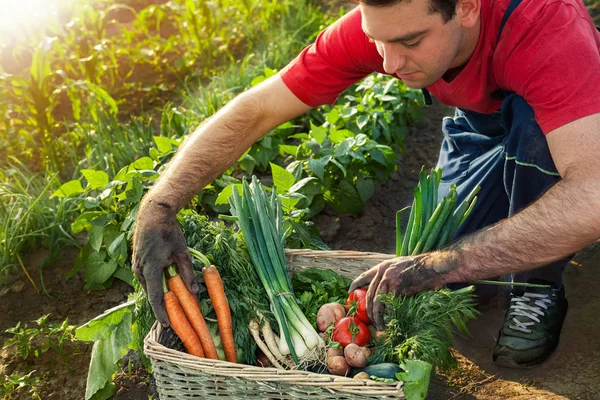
x: 383, y: 370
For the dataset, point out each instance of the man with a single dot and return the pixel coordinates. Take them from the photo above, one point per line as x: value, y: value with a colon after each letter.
x: 525, y: 78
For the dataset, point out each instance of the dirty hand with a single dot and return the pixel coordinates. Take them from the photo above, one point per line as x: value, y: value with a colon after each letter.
x: 157, y: 243
x: 401, y: 275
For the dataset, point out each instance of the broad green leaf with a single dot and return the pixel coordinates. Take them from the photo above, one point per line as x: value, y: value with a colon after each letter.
x: 106, y: 392
x: 288, y: 202
x: 282, y: 178
x: 95, y: 236
x: 301, y: 183
x: 106, y: 353
x: 83, y: 221
x: 317, y: 167
x: 293, y: 150
x: 318, y: 133
x: 337, y: 136
x: 91, y: 202
x: 378, y: 156
x: 114, y: 246
x: 416, y: 379
x: 134, y: 191
x: 96, y: 179
x: 163, y: 144
x: 100, y: 326
x: 361, y: 139
x: 349, y: 112
x: 333, y: 116
x: 362, y: 121
x: 154, y: 154
x: 68, y: 189
x: 125, y: 275
x: 97, y: 269
x: 223, y: 197
x: 340, y: 166
x: 143, y: 163
x: 344, y: 198
x: 365, y: 187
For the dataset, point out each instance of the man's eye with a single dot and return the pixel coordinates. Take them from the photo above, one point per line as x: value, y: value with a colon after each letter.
x: 411, y: 45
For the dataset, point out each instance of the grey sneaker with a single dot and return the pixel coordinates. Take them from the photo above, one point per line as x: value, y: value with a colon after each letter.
x: 531, y: 327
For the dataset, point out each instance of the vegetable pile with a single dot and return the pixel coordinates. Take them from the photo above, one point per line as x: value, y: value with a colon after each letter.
x: 308, y: 321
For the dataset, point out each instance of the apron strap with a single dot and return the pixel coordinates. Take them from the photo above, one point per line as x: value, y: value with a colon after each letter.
x: 511, y: 7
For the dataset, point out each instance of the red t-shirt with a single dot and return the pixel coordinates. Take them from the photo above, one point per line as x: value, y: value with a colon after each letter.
x: 549, y: 53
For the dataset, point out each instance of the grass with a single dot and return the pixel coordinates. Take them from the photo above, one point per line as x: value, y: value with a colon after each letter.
x: 29, y: 215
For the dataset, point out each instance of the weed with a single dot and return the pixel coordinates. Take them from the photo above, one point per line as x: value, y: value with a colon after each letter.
x: 38, y: 340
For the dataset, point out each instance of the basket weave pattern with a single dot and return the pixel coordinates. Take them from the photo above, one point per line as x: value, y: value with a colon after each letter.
x: 182, y: 376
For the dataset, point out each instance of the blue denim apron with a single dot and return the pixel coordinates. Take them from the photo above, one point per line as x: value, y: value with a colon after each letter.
x: 506, y: 154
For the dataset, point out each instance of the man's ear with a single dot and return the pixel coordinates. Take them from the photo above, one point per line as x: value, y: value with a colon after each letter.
x: 467, y: 12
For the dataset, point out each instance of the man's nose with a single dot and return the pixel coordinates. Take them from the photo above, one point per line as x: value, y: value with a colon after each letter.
x: 393, y: 59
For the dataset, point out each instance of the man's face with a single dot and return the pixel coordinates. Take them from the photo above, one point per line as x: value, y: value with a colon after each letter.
x: 416, y: 44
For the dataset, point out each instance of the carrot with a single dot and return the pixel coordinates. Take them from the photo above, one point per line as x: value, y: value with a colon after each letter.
x: 214, y: 284
x: 180, y: 324
x: 191, y: 308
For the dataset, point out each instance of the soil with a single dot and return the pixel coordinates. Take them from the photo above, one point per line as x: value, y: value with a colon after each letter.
x: 571, y: 373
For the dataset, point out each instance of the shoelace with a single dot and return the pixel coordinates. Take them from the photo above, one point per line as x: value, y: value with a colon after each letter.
x: 521, y: 307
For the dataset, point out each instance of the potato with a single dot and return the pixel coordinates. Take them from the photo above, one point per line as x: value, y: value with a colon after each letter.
x: 332, y: 352
x: 338, y: 366
x: 355, y: 356
x: 380, y: 334
x: 362, y: 375
x: 366, y: 351
x: 329, y: 314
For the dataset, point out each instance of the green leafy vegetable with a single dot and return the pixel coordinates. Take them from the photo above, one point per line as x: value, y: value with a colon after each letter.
x: 316, y: 287
x: 112, y: 336
x: 420, y: 327
x: 416, y: 379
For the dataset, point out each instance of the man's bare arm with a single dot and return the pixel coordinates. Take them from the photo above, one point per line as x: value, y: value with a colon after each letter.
x: 221, y: 140
x: 157, y: 240
x: 562, y: 221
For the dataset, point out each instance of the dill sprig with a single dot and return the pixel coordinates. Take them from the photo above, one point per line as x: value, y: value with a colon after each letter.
x: 421, y: 327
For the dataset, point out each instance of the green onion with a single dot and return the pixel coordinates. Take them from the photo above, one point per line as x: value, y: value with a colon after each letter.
x: 260, y: 219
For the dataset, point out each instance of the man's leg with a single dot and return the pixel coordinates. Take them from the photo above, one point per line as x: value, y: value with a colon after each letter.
x: 534, y: 319
x: 509, y: 158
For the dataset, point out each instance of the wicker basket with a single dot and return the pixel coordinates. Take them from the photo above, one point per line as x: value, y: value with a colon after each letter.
x: 182, y: 376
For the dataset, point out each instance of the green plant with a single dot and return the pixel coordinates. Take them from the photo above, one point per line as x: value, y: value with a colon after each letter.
x: 295, y: 197
x: 108, y: 210
x: 36, y: 341
x: 11, y: 386
x: 29, y: 215
x: 346, y: 165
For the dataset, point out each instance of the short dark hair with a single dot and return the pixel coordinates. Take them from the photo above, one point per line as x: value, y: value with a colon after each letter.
x: 447, y: 8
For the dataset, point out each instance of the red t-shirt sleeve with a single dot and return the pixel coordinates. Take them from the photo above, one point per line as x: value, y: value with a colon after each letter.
x: 552, y: 60
x: 340, y: 56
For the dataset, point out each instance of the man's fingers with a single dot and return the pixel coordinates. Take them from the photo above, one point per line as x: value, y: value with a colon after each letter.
x: 153, y: 276
x: 186, y: 269
x: 137, y: 270
x: 378, y: 306
x: 372, y: 292
x: 363, y: 279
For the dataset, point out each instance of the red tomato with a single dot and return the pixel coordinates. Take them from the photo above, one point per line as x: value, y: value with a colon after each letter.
x: 357, y: 305
x: 351, y: 330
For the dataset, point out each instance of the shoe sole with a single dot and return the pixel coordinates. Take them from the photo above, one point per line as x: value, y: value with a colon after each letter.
x: 507, y: 362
